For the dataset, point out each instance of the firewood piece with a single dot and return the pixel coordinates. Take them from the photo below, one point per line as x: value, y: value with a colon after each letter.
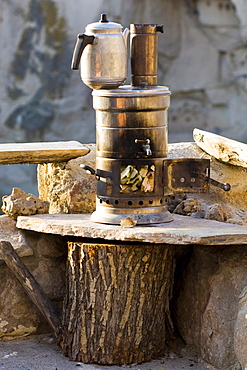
x: 28, y: 282
x: 222, y: 148
x: 116, y: 306
x: 148, y: 183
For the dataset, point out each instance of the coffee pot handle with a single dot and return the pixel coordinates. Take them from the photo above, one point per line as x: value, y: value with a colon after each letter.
x: 81, y: 42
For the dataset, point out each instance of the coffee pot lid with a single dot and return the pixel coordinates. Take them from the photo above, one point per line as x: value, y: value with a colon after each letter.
x: 104, y: 26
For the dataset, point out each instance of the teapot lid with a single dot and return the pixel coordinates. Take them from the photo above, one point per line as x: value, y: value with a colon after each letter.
x: 104, y: 26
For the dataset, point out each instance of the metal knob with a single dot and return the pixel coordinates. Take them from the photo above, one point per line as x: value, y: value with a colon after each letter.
x: 103, y: 18
x: 226, y: 186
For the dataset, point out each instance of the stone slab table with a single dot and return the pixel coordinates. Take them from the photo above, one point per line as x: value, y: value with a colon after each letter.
x: 182, y: 230
x: 120, y: 280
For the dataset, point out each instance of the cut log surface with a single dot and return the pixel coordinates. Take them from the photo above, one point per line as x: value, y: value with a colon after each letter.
x: 222, y: 148
x: 42, y: 152
x: 116, y: 308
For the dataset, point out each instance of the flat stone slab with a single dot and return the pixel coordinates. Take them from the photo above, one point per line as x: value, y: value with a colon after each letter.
x: 42, y: 152
x: 222, y: 148
x: 182, y: 230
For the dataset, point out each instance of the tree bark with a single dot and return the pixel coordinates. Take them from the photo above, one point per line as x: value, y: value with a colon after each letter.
x: 116, y: 308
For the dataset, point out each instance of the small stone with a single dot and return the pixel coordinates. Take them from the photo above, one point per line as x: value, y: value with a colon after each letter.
x: 187, y: 207
x: 19, y: 203
x: 225, y: 213
x: 216, y: 212
x: 128, y: 222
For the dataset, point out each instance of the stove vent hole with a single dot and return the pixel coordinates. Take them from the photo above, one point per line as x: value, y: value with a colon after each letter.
x: 141, y: 203
x: 116, y: 202
x: 161, y: 201
x: 130, y: 203
x: 107, y: 201
x: 150, y: 202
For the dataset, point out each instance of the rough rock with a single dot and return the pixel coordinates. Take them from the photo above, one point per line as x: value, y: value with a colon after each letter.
x: 187, y: 207
x: 221, y: 148
x: 128, y: 222
x: 9, y: 231
x: 68, y: 187
x: 174, y: 200
x: 18, y: 203
x: 207, y: 304
x: 240, y: 333
x: 226, y: 213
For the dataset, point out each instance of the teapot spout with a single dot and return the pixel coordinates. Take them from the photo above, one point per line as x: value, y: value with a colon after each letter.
x: 126, y: 34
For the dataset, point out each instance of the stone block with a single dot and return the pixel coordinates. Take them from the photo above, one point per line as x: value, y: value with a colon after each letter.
x: 68, y: 187
x: 225, y: 213
x: 240, y: 332
x: 210, y: 306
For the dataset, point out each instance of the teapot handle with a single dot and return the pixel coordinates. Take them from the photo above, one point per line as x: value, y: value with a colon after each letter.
x: 81, y: 42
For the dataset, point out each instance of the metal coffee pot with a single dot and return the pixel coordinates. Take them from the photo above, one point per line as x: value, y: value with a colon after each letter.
x: 101, y: 54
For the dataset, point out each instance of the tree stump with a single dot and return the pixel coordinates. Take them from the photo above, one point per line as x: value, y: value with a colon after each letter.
x: 116, y: 307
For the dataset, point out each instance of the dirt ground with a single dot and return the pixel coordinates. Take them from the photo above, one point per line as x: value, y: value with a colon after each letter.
x: 42, y: 353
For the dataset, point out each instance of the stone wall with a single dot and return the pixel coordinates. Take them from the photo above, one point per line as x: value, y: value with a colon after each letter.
x: 45, y: 257
x: 202, y: 58
x: 209, y: 308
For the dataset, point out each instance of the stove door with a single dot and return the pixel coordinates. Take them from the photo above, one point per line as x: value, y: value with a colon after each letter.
x: 186, y: 175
